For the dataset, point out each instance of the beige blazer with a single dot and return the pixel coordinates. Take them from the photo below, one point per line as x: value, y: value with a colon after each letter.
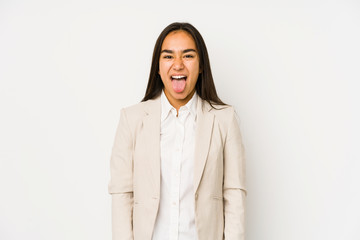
x: 219, y: 173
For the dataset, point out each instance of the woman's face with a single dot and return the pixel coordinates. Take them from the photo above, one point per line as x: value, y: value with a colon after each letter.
x: 179, y: 67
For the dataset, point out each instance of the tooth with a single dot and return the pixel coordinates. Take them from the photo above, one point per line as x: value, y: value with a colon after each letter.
x: 178, y: 77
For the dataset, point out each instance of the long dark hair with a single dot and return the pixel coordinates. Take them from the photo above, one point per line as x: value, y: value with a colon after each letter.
x: 205, y: 87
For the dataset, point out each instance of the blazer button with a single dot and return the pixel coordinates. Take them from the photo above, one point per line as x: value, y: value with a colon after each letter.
x: 196, y: 196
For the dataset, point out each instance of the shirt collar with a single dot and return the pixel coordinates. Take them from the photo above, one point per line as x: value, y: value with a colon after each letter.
x: 166, y: 107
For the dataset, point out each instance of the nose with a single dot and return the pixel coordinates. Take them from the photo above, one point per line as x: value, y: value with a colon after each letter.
x: 178, y: 64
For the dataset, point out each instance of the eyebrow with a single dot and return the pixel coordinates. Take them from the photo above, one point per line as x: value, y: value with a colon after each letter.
x: 184, y: 51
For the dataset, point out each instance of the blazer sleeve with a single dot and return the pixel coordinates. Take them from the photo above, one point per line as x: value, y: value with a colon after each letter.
x: 234, y: 190
x: 121, y: 183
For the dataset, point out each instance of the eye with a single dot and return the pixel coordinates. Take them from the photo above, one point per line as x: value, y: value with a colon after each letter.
x: 189, y: 56
x: 167, y: 57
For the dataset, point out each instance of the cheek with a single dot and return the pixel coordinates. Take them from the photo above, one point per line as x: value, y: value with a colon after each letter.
x: 163, y: 69
x: 194, y: 71
x: 193, y: 67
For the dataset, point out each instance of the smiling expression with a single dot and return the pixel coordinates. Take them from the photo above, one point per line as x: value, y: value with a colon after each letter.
x: 179, y: 67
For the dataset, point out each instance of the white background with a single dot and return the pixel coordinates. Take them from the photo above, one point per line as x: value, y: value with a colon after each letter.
x: 290, y: 68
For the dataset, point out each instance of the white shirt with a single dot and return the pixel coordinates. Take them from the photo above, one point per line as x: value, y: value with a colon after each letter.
x: 176, y: 215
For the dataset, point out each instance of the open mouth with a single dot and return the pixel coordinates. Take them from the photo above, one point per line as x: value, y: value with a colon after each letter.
x: 180, y: 83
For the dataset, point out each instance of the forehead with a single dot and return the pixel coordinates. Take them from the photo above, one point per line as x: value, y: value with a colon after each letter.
x: 178, y: 40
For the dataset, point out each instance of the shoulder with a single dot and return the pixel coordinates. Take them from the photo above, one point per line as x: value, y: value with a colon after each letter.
x: 136, y: 112
x: 225, y: 115
x: 222, y: 110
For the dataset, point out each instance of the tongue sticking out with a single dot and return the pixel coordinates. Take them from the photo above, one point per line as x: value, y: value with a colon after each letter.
x: 178, y: 85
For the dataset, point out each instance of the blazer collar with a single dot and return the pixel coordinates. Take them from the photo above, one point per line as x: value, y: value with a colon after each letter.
x: 152, y: 106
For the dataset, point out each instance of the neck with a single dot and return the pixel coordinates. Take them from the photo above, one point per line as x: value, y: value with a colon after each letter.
x: 177, y: 103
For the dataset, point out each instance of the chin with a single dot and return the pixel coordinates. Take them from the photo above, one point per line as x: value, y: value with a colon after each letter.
x: 181, y: 95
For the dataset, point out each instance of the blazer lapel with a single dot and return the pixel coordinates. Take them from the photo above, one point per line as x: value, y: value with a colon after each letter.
x: 151, y: 128
x: 204, y: 126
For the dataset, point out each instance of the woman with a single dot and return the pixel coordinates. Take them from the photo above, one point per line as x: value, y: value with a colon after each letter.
x: 177, y: 164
